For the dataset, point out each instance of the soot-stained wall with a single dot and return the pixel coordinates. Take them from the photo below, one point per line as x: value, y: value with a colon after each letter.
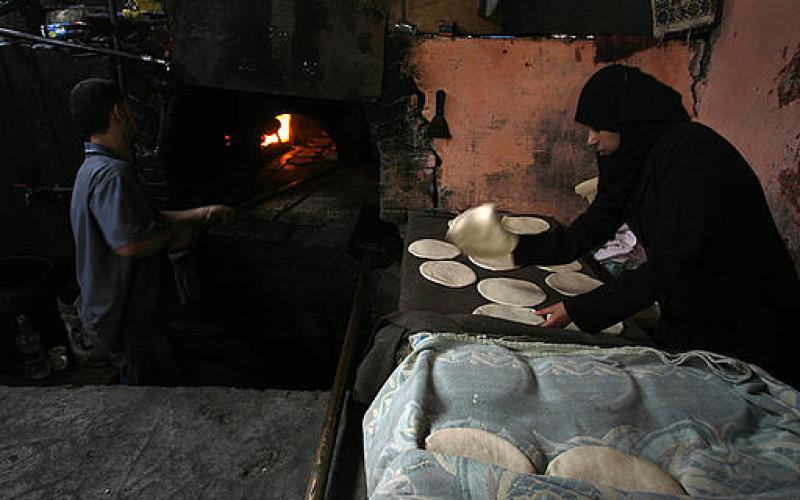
x: 510, y: 108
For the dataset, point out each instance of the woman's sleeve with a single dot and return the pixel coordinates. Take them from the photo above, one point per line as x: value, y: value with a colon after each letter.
x: 614, y: 302
x: 682, y: 226
x: 565, y: 243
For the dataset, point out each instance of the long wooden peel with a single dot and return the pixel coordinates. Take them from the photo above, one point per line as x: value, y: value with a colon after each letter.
x: 321, y: 467
x: 254, y: 202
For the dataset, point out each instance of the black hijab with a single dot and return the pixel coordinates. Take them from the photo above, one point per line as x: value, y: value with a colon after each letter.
x: 640, y: 108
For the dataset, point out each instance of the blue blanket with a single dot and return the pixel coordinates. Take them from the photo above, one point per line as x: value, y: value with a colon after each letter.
x: 720, y: 427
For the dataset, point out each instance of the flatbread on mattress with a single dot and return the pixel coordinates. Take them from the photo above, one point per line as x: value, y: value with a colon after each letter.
x: 611, y: 467
x: 479, y: 445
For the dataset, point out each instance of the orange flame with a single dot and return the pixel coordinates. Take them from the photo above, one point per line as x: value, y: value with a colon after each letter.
x: 282, y: 135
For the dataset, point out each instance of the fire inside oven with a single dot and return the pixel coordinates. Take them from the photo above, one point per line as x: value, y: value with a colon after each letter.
x: 296, y: 139
x: 231, y: 147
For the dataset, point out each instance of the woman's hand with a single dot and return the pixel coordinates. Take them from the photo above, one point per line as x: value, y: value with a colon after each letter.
x: 556, y: 316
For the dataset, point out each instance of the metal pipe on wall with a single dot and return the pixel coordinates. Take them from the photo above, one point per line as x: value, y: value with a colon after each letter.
x: 112, y: 16
x: 79, y: 46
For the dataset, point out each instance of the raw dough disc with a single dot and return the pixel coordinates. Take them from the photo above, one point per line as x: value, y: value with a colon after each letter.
x: 448, y: 273
x: 510, y: 313
x: 505, y: 263
x: 560, y: 268
x: 306, y: 153
x: 299, y: 160
x: 571, y: 283
x: 525, y: 225
x: 433, y: 249
x: 479, y: 445
x: 615, y: 329
x: 511, y: 292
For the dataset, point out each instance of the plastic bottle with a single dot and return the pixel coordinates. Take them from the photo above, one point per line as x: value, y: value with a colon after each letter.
x: 36, y: 365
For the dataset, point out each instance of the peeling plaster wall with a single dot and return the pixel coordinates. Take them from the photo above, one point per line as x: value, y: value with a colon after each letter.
x: 510, y: 107
x: 751, y: 95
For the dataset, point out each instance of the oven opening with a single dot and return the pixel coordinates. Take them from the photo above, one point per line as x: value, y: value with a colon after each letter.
x: 276, y: 284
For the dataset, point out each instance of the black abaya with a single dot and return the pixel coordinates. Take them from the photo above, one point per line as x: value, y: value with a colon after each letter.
x: 717, y: 265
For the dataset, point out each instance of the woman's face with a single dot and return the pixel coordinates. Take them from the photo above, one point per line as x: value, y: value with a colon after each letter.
x: 606, y: 142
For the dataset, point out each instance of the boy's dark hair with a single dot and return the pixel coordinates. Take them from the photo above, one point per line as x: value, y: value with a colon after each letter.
x: 91, y: 102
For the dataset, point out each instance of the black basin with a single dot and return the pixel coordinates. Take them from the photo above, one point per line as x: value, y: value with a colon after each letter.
x: 22, y: 281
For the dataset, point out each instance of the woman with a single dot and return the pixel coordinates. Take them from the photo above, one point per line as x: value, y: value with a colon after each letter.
x: 716, y: 265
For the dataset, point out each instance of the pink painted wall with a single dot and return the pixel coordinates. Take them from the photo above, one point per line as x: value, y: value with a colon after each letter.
x: 510, y: 107
x: 750, y: 72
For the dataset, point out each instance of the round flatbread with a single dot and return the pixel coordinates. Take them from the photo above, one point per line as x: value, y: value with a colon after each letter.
x: 587, y: 189
x: 571, y: 283
x: 479, y: 445
x: 433, y: 249
x: 505, y: 263
x: 306, y: 153
x: 611, y: 467
x: 615, y: 329
x: 511, y: 292
x: 525, y: 225
x: 560, y: 268
x: 448, y: 273
x: 299, y: 160
x: 511, y: 313
x: 479, y: 232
